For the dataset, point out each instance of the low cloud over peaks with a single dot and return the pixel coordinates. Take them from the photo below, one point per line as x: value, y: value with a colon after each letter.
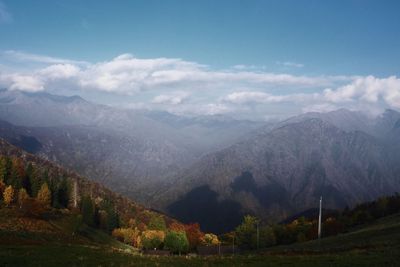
x: 181, y: 86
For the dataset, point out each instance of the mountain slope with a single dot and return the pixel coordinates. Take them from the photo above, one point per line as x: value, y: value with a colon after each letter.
x: 126, y: 208
x: 283, y: 171
x: 129, y: 151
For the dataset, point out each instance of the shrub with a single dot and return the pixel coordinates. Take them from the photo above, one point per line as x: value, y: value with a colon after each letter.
x: 126, y: 235
x: 210, y: 240
x: 152, y: 239
x: 176, y: 242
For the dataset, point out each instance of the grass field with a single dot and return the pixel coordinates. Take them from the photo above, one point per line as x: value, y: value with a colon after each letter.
x: 377, y: 244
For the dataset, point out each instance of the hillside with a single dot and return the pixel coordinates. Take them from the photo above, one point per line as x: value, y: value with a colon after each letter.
x: 80, y: 187
x: 275, y: 173
x: 378, y: 237
x: 130, y: 151
x: 374, y: 244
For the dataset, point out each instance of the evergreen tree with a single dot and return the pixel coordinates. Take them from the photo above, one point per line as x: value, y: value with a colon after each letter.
x: 247, y: 231
x: 113, y: 219
x: 2, y: 188
x: 88, y: 211
x: 54, y: 188
x: 63, y: 192
x: 111, y: 215
x: 5, y: 169
x: 37, y: 180
x: 14, y: 179
x: 27, y: 181
x: 176, y: 242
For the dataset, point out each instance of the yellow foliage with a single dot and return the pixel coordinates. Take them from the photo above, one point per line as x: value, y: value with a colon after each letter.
x: 210, y: 239
x: 127, y: 235
x: 44, y: 195
x: 151, y: 234
x: 22, y: 197
x: 8, y: 195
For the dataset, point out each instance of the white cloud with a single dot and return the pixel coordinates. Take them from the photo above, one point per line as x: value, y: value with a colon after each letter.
x: 188, y: 87
x: 290, y: 64
x: 367, y: 89
x: 22, y: 82
x: 59, y: 71
x: 5, y: 15
x: 28, y: 57
x: 251, y: 97
x: 174, y: 98
x: 126, y: 74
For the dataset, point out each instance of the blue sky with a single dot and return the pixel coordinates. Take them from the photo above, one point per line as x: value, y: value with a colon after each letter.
x: 227, y: 53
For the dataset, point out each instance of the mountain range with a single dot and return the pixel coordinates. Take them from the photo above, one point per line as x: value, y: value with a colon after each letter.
x: 212, y: 169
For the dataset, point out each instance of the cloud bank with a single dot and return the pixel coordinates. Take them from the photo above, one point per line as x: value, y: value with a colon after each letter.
x: 183, y: 86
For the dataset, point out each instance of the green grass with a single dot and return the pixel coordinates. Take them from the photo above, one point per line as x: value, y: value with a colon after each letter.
x: 80, y: 255
x: 377, y: 244
x: 381, y: 234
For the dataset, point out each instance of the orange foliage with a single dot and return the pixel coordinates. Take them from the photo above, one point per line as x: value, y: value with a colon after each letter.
x: 177, y: 227
x: 194, y: 234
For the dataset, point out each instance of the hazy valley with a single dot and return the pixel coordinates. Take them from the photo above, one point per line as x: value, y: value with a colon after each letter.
x: 219, y: 167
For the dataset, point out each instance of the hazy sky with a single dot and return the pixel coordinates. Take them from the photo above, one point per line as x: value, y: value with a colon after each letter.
x: 253, y: 59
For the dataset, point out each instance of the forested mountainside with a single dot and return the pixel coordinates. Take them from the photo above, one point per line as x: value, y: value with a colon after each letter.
x: 62, y: 188
x: 275, y: 173
x: 128, y: 150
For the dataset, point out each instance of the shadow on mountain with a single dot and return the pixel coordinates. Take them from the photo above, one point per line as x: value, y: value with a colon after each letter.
x: 266, y: 195
x: 27, y: 143
x: 331, y: 196
x: 202, y: 205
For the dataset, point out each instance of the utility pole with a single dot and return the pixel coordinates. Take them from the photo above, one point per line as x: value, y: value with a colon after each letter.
x: 233, y: 245
x: 258, y: 237
x: 320, y: 218
x: 75, y: 194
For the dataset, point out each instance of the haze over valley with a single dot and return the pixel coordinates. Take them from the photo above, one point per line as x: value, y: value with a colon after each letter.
x: 222, y: 167
x: 249, y: 132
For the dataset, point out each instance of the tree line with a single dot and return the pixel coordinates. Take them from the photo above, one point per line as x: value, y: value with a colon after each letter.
x: 28, y: 186
x: 253, y: 233
x: 35, y: 191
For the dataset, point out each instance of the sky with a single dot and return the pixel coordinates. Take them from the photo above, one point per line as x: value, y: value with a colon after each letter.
x: 248, y: 59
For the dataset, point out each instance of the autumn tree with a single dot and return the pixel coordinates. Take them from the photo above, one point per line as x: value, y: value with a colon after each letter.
x: 193, y: 234
x: 176, y: 242
x: 44, y: 195
x: 126, y: 235
x: 210, y: 239
x: 152, y: 239
x: 23, y: 197
x: 8, y: 195
x: 177, y: 227
x: 157, y: 222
